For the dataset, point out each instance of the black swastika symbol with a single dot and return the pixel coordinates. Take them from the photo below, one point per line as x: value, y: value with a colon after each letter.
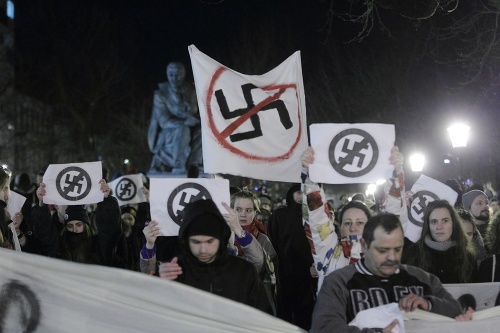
x: 126, y: 189
x: 355, y: 156
x: 279, y: 105
x: 181, y: 196
x: 73, y: 183
x: 419, y: 203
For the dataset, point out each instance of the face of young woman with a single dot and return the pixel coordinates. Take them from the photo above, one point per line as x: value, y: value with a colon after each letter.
x: 245, y: 210
x: 75, y: 226
x: 440, y: 224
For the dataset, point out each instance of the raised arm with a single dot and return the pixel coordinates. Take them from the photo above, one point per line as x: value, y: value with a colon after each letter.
x: 252, y: 250
x: 327, y: 252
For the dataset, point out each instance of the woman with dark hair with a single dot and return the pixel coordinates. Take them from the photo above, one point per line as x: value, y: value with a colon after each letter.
x: 78, y: 241
x: 443, y: 248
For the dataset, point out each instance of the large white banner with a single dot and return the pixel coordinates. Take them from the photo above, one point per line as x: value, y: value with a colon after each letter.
x: 351, y: 153
x: 425, y: 190
x: 41, y: 294
x: 128, y: 189
x: 169, y: 196
x: 252, y: 125
x: 73, y: 184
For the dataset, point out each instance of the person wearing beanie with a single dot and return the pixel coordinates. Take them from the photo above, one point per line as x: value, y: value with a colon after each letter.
x: 77, y: 240
x: 199, y: 257
x: 75, y: 217
x: 476, y: 202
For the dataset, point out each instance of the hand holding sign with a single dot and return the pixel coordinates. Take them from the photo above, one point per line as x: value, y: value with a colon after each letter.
x: 40, y: 193
x: 307, y: 157
x: 105, y: 189
x: 151, y: 231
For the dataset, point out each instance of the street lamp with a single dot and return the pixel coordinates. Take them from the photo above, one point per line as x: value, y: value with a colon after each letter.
x: 459, y: 134
x: 417, y: 162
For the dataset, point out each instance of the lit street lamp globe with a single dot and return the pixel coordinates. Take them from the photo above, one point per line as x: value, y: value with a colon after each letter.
x: 417, y: 162
x: 459, y: 134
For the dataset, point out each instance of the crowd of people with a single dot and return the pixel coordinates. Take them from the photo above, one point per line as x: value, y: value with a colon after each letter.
x: 306, y: 262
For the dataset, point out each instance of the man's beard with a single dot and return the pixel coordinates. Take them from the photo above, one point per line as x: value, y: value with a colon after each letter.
x: 483, y: 216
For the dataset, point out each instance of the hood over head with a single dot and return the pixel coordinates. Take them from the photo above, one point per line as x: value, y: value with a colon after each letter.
x: 202, y: 217
x: 289, y: 196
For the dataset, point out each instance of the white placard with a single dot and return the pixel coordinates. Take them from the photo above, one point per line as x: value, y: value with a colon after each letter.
x: 73, y: 183
x: 169, y: 196
x: 128, y: 189
x: 425, y: 190
x: 351, y: 153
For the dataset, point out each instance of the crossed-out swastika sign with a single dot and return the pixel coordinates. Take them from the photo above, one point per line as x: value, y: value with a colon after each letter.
x: 252, y: 125
x: 73, y: 183
x: 228, y: 133
x: 169, y: 196
x: 425, y: 190
x: 181, y: 196
x: 278, y: 105
x: 419, y: 203
x: 358, y: 155
x: 351, y: 153
x: 126, y: 189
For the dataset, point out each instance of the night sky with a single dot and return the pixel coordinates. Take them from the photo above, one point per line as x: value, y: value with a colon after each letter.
x: 395, y: 74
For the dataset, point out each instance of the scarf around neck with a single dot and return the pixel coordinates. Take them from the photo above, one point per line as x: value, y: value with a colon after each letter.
x: 253, y: 228
x: 438, y: 246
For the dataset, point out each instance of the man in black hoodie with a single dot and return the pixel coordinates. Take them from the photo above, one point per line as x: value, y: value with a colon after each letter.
x: 202, y: 260
x: 296, y: 286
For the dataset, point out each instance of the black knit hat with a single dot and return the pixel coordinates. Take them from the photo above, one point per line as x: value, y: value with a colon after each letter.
x: 206, y: 225
x: 76, y: 213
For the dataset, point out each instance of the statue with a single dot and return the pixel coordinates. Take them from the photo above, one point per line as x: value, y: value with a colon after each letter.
x: 174, y: 135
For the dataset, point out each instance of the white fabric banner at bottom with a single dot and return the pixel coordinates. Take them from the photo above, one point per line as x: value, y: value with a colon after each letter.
x: 40, y: 294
